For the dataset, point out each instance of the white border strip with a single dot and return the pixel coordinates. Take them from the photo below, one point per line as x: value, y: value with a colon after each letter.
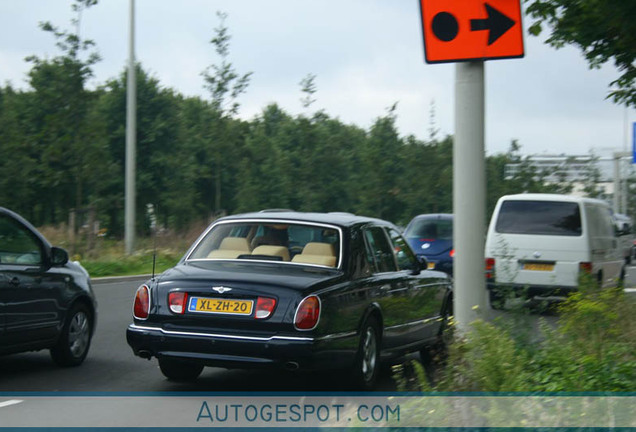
x: 10, y: 402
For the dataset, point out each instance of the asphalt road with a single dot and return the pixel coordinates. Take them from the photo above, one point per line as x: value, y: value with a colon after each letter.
x: 111, y: 366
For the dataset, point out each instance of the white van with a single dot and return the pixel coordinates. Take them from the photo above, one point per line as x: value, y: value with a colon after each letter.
x: 539, y: 244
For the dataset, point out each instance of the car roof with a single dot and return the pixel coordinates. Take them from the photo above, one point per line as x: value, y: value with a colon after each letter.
x: 552, y: 197
x: 341, y: 219
x: 434, y: 216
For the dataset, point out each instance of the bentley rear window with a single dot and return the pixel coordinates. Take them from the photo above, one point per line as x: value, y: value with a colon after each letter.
x: 283, y: 241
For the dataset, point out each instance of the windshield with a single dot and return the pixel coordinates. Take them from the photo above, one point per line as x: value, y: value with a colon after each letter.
x: 430, y: 229
x: 281, y: 241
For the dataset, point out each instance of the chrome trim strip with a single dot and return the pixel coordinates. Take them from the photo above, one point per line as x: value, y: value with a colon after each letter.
x: 412, y: 323
x: 136, y: 327
x: 353, y: 333
x: 336, y: 336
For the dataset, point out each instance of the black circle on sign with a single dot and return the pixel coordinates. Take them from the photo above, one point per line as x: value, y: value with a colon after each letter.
x: 445, y: 26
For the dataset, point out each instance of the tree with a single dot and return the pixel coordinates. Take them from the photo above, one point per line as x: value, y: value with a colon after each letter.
x: 70, y: 150
x: 604, y: 29
x: 380, y: 169
x: 18, y: 157
x: 224, y: 85
x: 165, y: 159
x: 308, y: 87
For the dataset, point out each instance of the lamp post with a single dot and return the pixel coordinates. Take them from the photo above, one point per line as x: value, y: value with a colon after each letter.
x: 131, y: 132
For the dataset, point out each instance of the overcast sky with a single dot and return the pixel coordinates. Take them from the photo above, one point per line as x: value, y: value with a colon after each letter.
x: 366, y: 55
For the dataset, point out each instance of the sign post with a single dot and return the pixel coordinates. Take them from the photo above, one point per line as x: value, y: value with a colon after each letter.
x: 469, y: 193
x: 470, y: 32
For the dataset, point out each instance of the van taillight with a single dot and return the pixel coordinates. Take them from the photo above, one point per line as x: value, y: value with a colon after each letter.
x: 452, y: 253
x: 585, y: 267
x: 141, y: 308
x: 490, y: 268
x: 307, y: 313
x: 264, y: 307
x: 177, y: 302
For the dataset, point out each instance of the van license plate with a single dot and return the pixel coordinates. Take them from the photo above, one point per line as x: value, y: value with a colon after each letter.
x: 220, y: 306
x: 538, y: 266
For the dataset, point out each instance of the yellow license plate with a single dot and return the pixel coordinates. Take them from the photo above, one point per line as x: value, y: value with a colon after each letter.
x: 538, y: 266
x: 431, y: 265
x: 220, y: 306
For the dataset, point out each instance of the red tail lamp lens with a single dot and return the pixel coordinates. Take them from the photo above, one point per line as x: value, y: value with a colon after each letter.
x: 177, y: 302
x: 264, y: 307
x: 490, y: 268
x: 452, y: 253
x: 308, y: 313
x: 585, y: 267
x: 141, y: 308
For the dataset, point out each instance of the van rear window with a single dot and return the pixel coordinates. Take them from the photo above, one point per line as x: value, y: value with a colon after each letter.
x: 539, y: 217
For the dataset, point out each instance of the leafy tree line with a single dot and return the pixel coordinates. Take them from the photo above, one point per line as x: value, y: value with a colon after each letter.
x: 62, y: 146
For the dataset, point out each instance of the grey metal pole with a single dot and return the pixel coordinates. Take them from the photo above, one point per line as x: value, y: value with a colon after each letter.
x: 617, y: 183
x: 131, y: 132
x: 469, y: 193
x: 624, y: 192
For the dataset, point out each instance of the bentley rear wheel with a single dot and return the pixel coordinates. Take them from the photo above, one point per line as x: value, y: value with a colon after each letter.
x: 368, y: 358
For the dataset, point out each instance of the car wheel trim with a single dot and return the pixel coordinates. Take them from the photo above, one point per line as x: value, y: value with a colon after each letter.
x: 78, y: 334
x: 369, y: 354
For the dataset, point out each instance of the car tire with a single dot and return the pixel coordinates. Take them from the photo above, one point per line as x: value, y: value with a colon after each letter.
x: 367, y: 362
x: 438, y: 351
x: 179, y: 370
x: 75, y: 339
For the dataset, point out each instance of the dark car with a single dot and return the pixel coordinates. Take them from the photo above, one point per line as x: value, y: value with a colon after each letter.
x: 297, y: 291
x: 46, y: 301
x: 431, y: 236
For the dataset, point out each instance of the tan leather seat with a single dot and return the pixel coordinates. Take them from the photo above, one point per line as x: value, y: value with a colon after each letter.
x: 231, y: 248
x: 317, y: 253
x: 280, y: 251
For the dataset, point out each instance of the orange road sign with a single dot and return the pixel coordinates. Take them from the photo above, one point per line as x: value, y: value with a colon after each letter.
x: 458, y: 30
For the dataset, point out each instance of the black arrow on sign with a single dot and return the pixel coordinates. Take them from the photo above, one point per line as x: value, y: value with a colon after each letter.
x: 497, y: 23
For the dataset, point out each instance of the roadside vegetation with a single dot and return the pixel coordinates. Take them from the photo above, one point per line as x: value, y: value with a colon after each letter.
x: 593, y: 349
x: 106, y: 257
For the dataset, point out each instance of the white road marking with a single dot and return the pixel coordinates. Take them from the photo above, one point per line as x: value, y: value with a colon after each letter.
x: 10, y: 402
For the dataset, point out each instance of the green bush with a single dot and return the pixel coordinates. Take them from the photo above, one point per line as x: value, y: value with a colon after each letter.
x: 593, y: 348
x: 130, y: 265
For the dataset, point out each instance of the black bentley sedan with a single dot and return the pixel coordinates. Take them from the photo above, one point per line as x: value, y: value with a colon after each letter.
x: 46, y: 301
x: 291, y: 290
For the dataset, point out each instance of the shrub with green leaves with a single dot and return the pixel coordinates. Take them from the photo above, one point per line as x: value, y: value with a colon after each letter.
x: 592, y: 349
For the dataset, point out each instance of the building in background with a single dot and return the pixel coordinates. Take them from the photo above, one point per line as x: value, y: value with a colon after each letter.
x: 588, y: 174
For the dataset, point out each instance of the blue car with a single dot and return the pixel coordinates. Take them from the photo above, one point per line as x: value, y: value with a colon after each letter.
x: 431, y: 236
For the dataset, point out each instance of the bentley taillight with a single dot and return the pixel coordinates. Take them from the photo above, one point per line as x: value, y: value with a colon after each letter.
x: 307, y: 313
x: 264, y: 307
x: 141, y: 308
x: 177, y: 302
